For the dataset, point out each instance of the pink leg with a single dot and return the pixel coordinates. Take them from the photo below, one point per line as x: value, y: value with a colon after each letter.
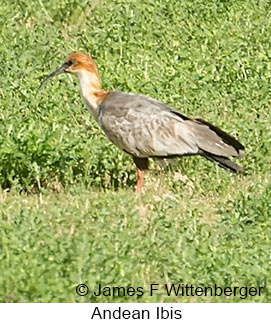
x: 139, y: 184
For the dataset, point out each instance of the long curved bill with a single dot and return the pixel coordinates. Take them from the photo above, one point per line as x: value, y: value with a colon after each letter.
x: 60, y: 70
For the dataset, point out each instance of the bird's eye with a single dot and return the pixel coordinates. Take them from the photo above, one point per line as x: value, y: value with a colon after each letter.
x: 69, y: 62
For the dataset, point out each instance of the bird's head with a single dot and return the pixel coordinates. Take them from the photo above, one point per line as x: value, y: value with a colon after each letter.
x: 78, y: 64
x: 75, y: 63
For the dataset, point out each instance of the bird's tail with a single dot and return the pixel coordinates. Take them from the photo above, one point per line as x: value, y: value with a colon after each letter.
x: 224, y: 162
x: 217, y: 145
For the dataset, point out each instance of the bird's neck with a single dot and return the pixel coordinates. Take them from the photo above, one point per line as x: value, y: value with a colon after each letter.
x: 92, y: 94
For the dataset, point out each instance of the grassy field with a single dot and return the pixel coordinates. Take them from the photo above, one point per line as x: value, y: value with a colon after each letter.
x: 68, y: 211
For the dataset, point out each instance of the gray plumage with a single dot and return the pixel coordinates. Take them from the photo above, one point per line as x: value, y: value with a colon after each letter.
x: 146, y: 128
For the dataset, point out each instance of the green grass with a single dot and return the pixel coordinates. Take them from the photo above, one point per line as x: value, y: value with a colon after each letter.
x: 68, y: 211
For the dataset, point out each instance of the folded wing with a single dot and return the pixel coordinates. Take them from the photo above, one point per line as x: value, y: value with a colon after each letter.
x: 144, y: 128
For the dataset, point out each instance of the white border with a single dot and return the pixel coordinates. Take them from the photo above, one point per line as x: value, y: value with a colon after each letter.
x: 81, y: 313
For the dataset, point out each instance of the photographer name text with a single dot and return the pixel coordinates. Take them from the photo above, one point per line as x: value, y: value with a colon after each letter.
x: 177, y: 290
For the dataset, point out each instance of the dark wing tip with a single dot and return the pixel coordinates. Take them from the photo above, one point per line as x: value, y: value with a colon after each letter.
x: 228, y: 139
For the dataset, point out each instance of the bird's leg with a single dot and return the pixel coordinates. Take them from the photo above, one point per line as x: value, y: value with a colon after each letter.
x: 141, y: 165
x: 140, y: 176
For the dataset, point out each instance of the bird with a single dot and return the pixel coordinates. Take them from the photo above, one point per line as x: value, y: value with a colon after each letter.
x: 144, y: 127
